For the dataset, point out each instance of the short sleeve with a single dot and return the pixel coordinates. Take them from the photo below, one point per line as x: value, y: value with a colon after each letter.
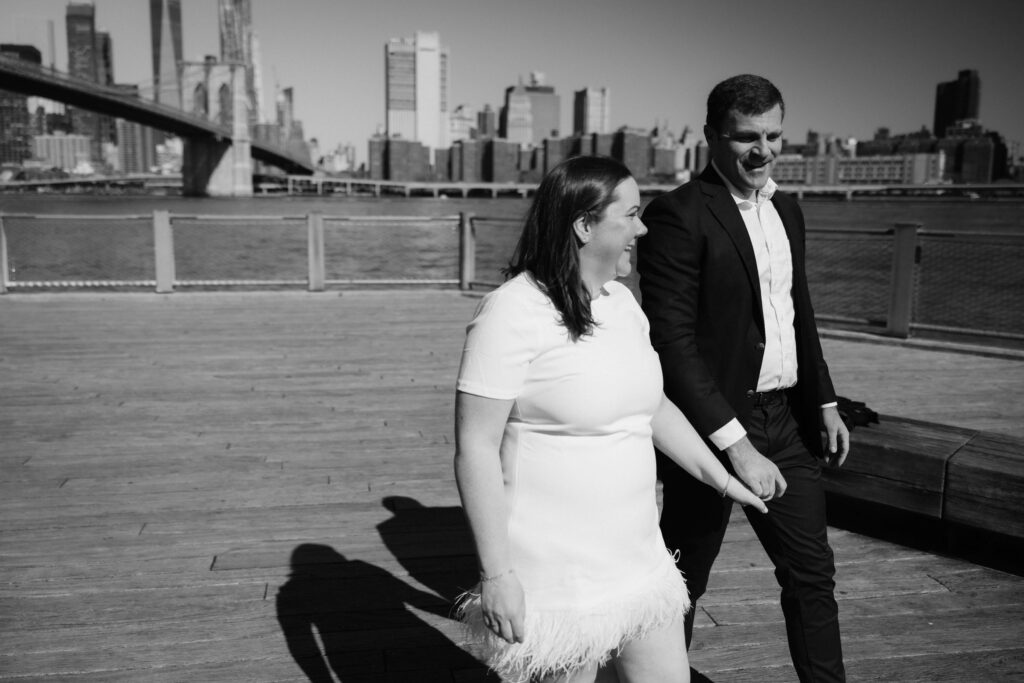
x: 500, y: 343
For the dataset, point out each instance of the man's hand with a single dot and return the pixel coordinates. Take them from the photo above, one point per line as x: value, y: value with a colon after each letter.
x: 838, y: 436
x: 759, y: 473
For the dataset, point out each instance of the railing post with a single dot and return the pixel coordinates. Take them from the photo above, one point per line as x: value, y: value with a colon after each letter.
x: 315, y: 225
x: 467, y: 251
x: 5, y: 273
x: 163, y: 247
x: 905, y: 256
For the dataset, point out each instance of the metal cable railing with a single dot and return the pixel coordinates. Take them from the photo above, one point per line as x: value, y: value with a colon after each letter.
x: 902, y: 279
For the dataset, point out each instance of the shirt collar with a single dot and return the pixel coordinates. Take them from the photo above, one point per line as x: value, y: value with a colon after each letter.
x: 763, y: 195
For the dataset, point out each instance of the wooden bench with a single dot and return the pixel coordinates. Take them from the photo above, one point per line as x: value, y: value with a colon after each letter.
x: 961, y: 476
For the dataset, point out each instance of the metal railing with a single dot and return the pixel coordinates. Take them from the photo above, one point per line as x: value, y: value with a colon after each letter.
x: 894, y: 281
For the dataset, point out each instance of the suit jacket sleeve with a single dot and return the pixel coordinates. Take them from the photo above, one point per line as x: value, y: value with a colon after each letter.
x: 669, y: 260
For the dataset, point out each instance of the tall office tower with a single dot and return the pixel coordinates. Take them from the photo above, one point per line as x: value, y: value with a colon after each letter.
x: 16, y: 124
x: 105, y: 76
x: 591, y: 111
x: 83, y: 63
x: 165, y: 35
x: 532, y: 113
x: 486, y: 123
x: 237, y: 45
x: 136, y: 148
x: 416, y: 89
x: 956, y: 101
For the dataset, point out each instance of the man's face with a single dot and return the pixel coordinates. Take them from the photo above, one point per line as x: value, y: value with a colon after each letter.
x: 746, y: 148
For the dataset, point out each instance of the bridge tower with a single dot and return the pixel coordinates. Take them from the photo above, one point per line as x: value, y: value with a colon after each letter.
x: 211, y: 166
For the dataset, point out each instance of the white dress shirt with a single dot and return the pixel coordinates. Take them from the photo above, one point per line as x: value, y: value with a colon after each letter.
x: 774, y: 262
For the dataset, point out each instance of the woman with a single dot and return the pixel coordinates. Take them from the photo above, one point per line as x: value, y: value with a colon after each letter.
x: 559, y: 396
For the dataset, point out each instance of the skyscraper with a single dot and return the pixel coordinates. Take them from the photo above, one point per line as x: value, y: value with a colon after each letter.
x: 238, y: 44
x: 165, y: 34
x: 416, y: 89
x: 591, y: 111
x: 956, y: 101
x: 532, y: 112
x: 83, y: 63
x: 15, y: 119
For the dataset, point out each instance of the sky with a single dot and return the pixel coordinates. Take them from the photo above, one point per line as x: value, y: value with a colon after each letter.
x: 844, y: 67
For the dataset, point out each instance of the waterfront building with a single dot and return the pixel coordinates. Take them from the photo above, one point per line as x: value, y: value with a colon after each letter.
x: 406, y: 160
x: 83, y: 63
x: 64, y: 151
x: 591, y: 111
x: 136, y: 150
x: 238, y: 44
x: 501, y: 161
x: 165, y: 38
x: 375, y: 157
x: 895, y: 169
x: 467, y: 161
x: 463, y: 123
x: 633, y: 149
x: 603, y: 144
x: 16, y: 122
x: 136, y: 144
x: 532, y: 113
x: 416, y: 89
x: 442, y: 170
x: 956, y: 101
x: 486, y: 123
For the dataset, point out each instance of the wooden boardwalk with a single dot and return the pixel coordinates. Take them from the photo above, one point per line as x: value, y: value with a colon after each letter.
x: 221, y: 487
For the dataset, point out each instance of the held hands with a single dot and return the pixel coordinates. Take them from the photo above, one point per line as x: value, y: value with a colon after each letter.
x: 759, y: 473
x: 503, y: 605
x: 838, y: 445
x: 742, y: 495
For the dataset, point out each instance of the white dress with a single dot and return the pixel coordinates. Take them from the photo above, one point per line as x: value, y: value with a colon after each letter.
x: 579, y: 477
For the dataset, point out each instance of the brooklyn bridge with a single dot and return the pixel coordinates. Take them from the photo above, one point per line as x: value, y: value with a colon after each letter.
x: 218, y: 147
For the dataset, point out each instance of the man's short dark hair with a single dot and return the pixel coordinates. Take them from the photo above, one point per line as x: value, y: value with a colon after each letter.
x: 746, y: 94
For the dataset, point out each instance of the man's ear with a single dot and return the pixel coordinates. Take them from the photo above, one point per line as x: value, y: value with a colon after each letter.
x: 581, y: 227
x: 710, y: 135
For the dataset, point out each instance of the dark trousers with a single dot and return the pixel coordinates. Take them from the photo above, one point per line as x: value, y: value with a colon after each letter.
x: 793, y: 534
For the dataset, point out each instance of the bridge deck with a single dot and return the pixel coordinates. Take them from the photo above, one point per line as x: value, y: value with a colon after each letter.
x: 190, y: 483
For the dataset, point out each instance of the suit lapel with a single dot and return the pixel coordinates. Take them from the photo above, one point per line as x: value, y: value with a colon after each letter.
x: 723, y: 207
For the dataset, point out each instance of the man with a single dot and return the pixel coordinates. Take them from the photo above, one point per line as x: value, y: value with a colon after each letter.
x: 723, y: 283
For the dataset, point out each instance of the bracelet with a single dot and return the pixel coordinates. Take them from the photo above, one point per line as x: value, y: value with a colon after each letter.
x: 725, y: 488
x: 485, y: 579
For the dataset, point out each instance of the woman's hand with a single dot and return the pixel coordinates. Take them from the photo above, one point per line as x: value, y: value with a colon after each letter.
x: 735, y: 489
x: 503, y: 606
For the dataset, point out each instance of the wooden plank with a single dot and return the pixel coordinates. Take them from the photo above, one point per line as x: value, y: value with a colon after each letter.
x: 986, y: 485
x: 898, y: 462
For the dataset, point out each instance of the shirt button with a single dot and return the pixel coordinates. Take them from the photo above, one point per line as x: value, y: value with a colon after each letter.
x: 760, y: 346
x: 750, y: 393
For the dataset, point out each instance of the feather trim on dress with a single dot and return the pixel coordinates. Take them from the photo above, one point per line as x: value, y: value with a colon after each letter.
x: 560, y: 642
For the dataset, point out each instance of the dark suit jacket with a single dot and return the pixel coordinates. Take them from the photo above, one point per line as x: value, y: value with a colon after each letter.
x: 700, y: 291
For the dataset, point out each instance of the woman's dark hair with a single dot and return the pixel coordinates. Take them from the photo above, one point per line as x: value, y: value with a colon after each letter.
x: 548, y: 248
x: 746, y: 94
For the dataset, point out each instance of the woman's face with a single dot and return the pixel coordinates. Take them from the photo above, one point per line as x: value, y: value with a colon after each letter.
x: 614, y: 235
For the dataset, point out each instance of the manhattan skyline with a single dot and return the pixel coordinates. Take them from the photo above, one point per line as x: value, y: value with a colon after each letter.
x: 841, y: 73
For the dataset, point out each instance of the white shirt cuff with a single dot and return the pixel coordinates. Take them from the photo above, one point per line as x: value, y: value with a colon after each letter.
x: 833, y: 404
x: 728, y: 434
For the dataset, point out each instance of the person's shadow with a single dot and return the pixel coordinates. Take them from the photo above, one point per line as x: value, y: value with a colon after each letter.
x: 433, y: 544
x: 350, y: 620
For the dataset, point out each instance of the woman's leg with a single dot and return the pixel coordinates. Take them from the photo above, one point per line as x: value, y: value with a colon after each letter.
x: 659, y: 656
x: 587, y: 675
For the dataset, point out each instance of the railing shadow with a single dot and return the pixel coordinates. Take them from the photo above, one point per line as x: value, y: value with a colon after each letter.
x: 349, y: 620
